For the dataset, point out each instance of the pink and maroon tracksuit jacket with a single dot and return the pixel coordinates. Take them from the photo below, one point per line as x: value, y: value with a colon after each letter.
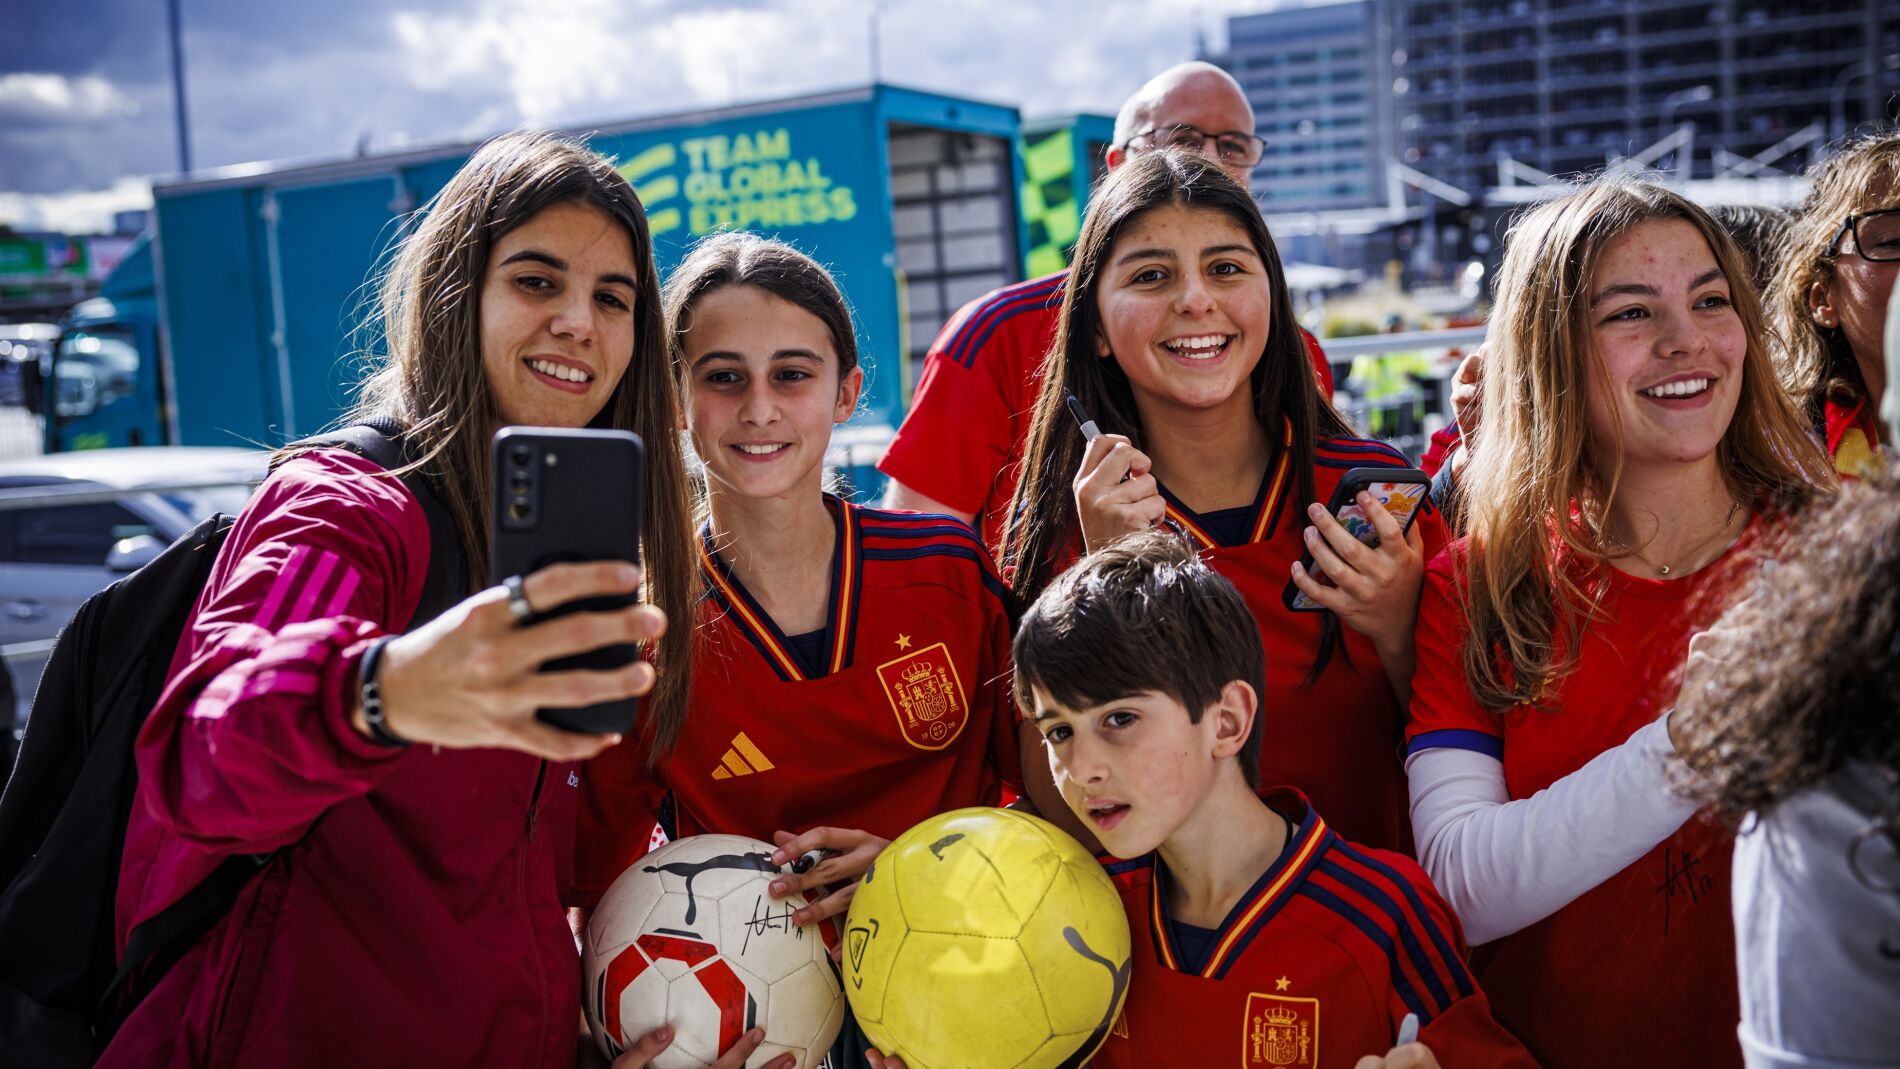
x: 413, y: 916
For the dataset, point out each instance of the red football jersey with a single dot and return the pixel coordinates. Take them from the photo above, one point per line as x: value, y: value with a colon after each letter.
x: 1443, y: 443
x: 1316, y: 966
x: 1338, y: 739
x: 1639, y: 971
x: 1852, y: 436
x: 963, y: 439
x: 909, y: 716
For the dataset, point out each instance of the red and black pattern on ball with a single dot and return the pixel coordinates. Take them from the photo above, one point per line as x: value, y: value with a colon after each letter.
x: 737, y: 1011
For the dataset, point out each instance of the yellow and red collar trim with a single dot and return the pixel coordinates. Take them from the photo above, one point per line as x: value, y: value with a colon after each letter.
x: 758, y: 628
x: 1266, y: 504
x: 1274, y: 888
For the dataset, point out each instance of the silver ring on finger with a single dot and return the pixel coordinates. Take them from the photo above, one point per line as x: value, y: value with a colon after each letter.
x: 518, y: 604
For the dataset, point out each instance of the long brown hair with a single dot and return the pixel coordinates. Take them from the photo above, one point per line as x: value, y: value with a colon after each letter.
x: 1042, y: 519
x: 1814, y: 361
x: 432, y: 384
x: 1537, y: 494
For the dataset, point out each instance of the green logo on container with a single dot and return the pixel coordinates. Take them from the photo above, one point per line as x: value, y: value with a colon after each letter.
x: 740, y: 181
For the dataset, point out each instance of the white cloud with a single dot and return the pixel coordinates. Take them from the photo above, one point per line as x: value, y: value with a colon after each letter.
x: 47, y: 99
x: 602, y: 60
x: 432, y: 71
x: 82, y: 212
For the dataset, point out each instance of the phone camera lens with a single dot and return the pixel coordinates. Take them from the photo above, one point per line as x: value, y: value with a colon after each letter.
x: 519, y: 511
x: 518, y: 482
x: 521, y: 456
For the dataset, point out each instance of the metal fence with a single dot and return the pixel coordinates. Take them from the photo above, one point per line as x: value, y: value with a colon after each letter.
x: 1408, y: 416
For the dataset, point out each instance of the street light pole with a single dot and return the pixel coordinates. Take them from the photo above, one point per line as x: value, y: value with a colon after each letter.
x: 178, y: 88
x: 876, y: 56
x: 1837, y: 100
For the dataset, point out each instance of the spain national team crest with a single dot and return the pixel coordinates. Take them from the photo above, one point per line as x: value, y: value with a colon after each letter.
x: 1280, y: 1032
x: 927, y: 696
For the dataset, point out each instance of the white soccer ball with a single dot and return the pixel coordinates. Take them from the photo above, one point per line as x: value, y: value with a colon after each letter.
x: 691, y: 936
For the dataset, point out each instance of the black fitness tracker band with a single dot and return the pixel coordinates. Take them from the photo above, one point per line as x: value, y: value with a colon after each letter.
x: 372, y: 690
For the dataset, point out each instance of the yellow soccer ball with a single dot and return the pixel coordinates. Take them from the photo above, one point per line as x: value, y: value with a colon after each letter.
x: 986, y: 938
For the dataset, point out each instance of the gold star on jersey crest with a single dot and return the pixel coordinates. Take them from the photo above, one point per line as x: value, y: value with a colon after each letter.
x: 1281, y: 984
x: 903, y: 642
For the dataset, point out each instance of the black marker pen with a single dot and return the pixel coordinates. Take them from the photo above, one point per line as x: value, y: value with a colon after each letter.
x: 1090, y: 431
x: 811, y: 859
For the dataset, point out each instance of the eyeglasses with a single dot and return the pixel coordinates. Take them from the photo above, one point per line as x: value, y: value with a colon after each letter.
x: 1876, y: 235
x: 1233, y: 147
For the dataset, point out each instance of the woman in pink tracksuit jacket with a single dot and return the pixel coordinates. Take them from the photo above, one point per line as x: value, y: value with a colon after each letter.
x: 413, y: 914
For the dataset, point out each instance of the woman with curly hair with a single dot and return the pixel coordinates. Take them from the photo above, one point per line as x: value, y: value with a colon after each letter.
x: 1792, y: 713
x: 1830, y: 299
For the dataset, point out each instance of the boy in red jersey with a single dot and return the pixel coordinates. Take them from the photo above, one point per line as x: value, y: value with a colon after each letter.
x: 1258, y: 930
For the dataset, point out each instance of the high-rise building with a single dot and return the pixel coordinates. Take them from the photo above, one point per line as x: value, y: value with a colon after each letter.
x: 1320, y: 86
x: 1562, y: 85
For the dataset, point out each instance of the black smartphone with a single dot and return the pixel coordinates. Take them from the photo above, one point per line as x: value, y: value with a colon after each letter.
x: 570, y: 495
x: 1401, y: 491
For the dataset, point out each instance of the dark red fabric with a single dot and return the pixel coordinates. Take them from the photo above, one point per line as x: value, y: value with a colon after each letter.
x: 414, y: 914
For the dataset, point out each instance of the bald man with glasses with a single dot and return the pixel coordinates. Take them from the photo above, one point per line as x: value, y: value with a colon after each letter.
x: 960, y: 448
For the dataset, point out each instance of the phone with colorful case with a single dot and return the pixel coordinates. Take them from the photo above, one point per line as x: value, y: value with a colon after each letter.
x: 1400, y: 491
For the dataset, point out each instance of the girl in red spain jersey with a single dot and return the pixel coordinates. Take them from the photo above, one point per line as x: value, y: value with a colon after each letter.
x: 1178, y: 339
x: 1633, y: 431
x: 852, y: 664
x: 1830, y: 298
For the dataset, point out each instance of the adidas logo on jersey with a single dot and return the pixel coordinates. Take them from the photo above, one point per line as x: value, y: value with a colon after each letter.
x: 742, y: 758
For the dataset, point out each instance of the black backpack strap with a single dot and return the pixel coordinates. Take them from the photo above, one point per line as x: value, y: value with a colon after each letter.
x: 380, y: 440
x: 152, y: 948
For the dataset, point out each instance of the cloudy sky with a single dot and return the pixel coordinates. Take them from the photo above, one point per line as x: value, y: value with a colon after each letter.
x: 86, y: 99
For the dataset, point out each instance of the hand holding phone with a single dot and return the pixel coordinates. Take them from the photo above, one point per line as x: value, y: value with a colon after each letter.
x: 565, y: 496
x: 1398, y: 492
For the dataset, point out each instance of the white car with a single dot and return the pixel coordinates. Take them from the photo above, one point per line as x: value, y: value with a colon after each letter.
x: 54, y: 556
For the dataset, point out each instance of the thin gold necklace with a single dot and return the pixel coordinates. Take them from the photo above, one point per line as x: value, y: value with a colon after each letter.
x: 1663, y: 570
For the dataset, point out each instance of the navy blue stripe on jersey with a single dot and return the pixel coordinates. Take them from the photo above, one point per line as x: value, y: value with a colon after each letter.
x: 1364, y: 447
x: 1421, y: 962
x: 758, y: 643
x: 914, y: 525
x: 990, y: 581
x: 999, y: 307
x: 1371, y: 930
x: 1366, y: 460
x: 1457, y: 739
x: 1116, y: 868
x: 1447, y: 950
x: 953, y: 530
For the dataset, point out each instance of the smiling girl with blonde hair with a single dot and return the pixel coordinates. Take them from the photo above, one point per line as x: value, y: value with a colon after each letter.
x: 1634, y: 435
